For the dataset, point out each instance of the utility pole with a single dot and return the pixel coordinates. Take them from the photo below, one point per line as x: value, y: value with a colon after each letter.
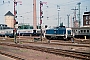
x: 79, y: 13
x: 68, y: 20
x: 41, y: 12
x: 58, y: 7
x: 74, y: 15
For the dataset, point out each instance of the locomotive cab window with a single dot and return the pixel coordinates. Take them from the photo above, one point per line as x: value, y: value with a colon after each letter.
x: 55, y: 31
x: 69, y: 31
x: 34, y: 31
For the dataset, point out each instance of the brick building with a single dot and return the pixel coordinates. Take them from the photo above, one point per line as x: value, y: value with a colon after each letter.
x: 86, y: 19
x: 9, y: 19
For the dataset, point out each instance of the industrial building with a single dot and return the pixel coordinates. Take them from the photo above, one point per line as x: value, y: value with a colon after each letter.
x: 9, y: 19
x: 86, y: 19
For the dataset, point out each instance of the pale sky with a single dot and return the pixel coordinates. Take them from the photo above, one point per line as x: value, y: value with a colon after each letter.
x: 26, y: 10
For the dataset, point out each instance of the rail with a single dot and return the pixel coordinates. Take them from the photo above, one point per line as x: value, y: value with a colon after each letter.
x: 74, y: 54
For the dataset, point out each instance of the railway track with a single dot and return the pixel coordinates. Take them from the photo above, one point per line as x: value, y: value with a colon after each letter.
x: 10, y: 55
x: 76, y: 45
x: 68, y: 53
x: 61, y: 43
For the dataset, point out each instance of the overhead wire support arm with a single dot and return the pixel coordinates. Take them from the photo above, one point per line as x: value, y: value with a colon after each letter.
x: 74, y: 15
x: 74, y: 12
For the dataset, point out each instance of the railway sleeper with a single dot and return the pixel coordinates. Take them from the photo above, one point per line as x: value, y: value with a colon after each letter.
x: 82, y: 54
x: 10, y: 55
x: 72, y: 55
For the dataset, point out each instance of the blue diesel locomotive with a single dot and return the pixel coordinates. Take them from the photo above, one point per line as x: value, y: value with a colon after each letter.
x: 58, y: 33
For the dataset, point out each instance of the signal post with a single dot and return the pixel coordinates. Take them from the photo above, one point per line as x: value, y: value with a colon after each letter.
x: 15, y: 30
x: 41, y: 12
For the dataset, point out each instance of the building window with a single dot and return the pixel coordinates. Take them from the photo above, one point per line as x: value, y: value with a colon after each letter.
x: 89, y: 22
x: 86, y: 22
x: 89, y: 17
x: 86, y: 17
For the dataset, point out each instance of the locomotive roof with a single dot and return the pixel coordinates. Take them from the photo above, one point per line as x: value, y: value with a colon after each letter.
x: 56, y: 29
